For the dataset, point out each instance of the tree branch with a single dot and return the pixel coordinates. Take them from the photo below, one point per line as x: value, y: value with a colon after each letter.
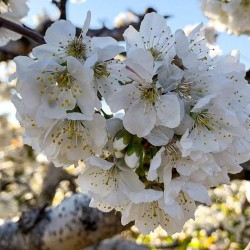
x: 61, y: 5
x: 70, y: 225
x: 51, y: 181
x: 21, y: 30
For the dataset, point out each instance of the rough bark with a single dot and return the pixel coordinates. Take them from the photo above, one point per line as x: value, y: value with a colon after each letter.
x: 70, y: 225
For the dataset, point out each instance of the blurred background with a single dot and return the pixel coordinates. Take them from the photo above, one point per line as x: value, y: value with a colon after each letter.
x: 28, y: 181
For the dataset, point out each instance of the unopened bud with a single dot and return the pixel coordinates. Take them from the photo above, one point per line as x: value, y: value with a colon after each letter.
x: 119, y: 154
x: 133, y: 155
x: 121, y: 140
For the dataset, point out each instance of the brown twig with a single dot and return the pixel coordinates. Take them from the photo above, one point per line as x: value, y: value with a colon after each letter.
x: 21, y: 30
x: 61, y: 5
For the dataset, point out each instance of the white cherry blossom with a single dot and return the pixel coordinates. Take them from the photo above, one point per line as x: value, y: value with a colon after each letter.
x: 74, y: 138
x: 148, y: 210
x: 108, y: 72
x: 110, y: 183
x: 184, y: 120
x: 61, y: 41
x: 144, y: 98
x: 57, y: 89
x: 233, y: 15
x: 154, y: 35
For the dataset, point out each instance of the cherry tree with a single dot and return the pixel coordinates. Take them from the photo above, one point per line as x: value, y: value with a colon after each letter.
x: 179, y: 125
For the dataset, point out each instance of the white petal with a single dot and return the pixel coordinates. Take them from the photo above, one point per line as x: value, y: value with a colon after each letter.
x: 144, y: 122
x: 122, y: 99
x: 133, y: 38
x: 141, y: 62
x: 98, y: 162
x: 160, y: 136
x: 147, y: 195
x: 168, y: 111
x: 197, y: 192
x: 201, y: 104
x: 154, y: 165
x: 60, y: 31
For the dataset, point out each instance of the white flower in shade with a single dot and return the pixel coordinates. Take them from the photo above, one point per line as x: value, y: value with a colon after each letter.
x: 161, y: 168
x: 108, y: 72
x: 12, y: 10
x: 160, y: 136
x: 189, y: 84
x: 163, y: 162
x: 74, y: 138
x: 213, y: 129
x: 57, y: 89
x: 148, y: 210
x: 185, y: 166
x: 144, y: 98
x: 109, y: 183
x: 26, y: 116
x: 162, y: 171
x: 154, y: 35
x: 228, y: 163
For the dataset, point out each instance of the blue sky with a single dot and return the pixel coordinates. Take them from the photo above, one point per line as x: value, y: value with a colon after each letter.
x: 182, y: 13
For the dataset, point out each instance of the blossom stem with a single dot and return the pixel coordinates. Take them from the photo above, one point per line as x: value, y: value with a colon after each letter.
x: 21, y: 30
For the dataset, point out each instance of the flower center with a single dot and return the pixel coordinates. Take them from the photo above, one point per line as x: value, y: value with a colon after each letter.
x: 64, y: 80
x: 149, y: 93
x: 173, y: 152
x: 155, y: 53
x: 184, y: 90
x: 203, y: 119
x: 112, y: 175
x: 69, y: 131
x: 100, y: 70
x: 76, y: 48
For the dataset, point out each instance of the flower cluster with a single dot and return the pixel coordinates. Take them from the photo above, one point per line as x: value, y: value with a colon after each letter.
x: 230, y: 15
x: 185, y: 117
x: 14, y: 11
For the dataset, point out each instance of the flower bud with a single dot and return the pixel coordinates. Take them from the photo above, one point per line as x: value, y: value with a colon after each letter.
x: 133, y: 155
x: 121, y: 140
x: 119, y: 154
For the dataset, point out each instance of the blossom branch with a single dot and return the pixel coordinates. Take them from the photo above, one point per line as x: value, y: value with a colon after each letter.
x: 21, y: 30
